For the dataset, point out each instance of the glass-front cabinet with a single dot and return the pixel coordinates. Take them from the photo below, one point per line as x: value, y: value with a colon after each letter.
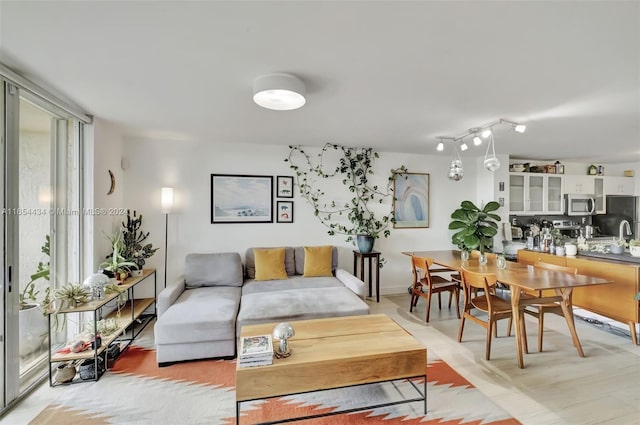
x: 601, y: 205
x: 535, y: 193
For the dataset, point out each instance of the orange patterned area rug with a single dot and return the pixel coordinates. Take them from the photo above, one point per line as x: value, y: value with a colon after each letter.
x: 137, y: 391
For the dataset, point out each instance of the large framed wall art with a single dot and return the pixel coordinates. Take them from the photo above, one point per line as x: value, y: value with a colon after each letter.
x: 411, y: 200
x: 241, y: 199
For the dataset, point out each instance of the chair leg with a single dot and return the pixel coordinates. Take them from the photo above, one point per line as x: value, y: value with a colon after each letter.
x: 457, y: 295
x: 495, y: 330
x: 413, y: 302
x: 428, y: 306
x: 450, y: 297
x: 461, y: 329
x: 490, y: 325
x: 540, y: 327
x: 439, y: 301
x: 509, y: 326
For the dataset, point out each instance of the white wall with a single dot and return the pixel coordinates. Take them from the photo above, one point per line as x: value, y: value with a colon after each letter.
x: 107, y: 153
x: 187, y: 165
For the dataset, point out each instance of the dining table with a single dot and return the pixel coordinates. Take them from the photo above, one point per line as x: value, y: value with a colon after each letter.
x: 521, y: 277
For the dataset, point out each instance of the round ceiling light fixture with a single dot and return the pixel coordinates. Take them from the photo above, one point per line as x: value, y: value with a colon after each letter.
x: 280, y: 92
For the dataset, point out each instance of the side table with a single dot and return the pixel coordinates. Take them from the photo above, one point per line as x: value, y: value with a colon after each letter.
x: 373, y: 255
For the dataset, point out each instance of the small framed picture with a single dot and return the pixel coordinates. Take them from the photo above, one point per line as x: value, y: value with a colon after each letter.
x: 284, y: 185
x: 284, y: 212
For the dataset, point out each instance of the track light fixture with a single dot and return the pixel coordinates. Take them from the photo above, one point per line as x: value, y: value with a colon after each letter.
x: 476, y: 139
x: 520, y: 128
x: 491, y: 162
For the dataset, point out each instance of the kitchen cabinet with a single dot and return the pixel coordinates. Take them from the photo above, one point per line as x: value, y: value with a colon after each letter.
x: 535, y: 193
x: 577, y: 183
x: 613, y: 300
x: 619, y: 185
x: 588, y: 185
x: 131, y: 318
x: 599, y: 192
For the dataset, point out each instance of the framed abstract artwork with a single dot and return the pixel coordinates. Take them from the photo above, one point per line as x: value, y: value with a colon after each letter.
x: 241, y: 199
x: 411, y: 200
x: 284, y: 212
x: 284, y: 185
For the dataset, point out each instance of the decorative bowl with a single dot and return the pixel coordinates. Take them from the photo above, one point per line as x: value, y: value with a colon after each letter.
x: 635, y: 251
x: 616, y: 249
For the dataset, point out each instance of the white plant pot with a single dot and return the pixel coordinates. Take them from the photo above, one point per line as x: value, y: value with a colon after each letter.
x: 33, y: 329
x: 635, y: 251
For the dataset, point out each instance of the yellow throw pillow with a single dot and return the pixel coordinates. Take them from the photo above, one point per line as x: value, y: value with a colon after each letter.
x: 269, y: 263
x: 317, y: 261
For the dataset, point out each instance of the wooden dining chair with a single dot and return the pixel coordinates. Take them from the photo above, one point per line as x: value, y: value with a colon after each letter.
x: 425, y: 285
x: 486, y: 301
x: 538, y: 310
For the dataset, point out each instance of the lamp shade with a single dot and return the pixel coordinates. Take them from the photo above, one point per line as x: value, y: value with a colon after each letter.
x: 281, y: 92
x: 166, y: 200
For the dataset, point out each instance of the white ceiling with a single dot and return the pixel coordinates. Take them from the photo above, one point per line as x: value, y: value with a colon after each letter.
x: 388, y: 74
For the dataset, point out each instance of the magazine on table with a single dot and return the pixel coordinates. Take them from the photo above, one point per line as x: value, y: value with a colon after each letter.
x: 256, y: 351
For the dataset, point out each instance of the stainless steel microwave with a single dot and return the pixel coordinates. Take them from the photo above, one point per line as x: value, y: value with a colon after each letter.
x: 579, y: 204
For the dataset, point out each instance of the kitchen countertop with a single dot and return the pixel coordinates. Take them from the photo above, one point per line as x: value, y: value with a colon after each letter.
x: 624, y: 258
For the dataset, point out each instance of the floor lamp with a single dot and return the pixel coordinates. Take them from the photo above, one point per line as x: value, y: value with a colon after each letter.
x: 167, y: 203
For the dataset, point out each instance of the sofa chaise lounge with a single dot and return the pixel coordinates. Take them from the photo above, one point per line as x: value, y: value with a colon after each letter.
x: 201, y: 315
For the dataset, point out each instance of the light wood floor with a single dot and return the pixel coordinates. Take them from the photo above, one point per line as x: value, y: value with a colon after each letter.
x: 556, y: 387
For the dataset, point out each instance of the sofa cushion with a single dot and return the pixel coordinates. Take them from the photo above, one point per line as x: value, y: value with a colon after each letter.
x: 250, y: 264
x: 269, y: 263
x: 294, y: 282
x: 200, y: 314
x: 290, y: 305
x: 299, y: 256
x: 317, y: 261
x: 219, y: 269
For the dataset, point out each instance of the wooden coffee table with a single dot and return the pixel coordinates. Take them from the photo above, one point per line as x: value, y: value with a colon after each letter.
x: 334, y: 353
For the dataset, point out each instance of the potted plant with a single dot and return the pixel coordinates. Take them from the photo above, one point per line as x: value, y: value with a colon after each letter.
x: 116, y: 265
x: 475, y: 227
x: 353, y: 169
x: 634, y: 247
x: 134, y: 249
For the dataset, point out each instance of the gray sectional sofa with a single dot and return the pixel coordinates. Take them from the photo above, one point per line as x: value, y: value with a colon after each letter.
x: 201, y: 315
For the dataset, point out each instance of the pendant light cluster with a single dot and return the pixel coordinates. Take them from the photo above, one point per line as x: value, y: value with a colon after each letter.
x: 491, y: 162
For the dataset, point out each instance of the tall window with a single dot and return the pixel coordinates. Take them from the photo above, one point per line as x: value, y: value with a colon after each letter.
x: 41, y: 226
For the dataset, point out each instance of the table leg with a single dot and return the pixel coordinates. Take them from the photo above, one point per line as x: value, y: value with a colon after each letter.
x: 567, y: 311
x: 237, y: 413
x: 362, y: 272
x: 634, y: 336
x: 370, y: 275
x: 377, y: 279
x: 517, y: 318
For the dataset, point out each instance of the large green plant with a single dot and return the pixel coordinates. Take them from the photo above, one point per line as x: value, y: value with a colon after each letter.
x: 354, y: 168
x: 475, y: 227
